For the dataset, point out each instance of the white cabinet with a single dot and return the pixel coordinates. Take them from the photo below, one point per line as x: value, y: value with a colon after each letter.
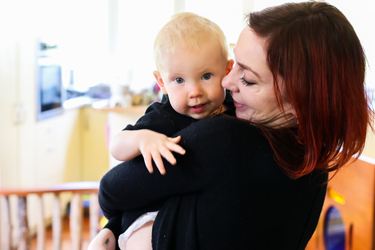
x: 118, y: 119
x: 8, y: 96
x: 58, y: 151
x: 33, y: 153
x: 95, y: 156
x: 17, y: 111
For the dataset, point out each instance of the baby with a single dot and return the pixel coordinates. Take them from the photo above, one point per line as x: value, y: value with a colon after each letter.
x: 191, y: 56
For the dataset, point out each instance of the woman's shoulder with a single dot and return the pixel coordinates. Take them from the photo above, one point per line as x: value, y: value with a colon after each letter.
x: 225, y: 123
x: 221, y: 130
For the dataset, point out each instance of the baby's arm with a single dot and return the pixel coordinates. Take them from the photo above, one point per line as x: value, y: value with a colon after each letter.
x: 152, y: 145
x: 104, y: 240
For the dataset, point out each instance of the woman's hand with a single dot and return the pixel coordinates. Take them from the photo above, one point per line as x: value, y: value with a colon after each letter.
x: 153, y: 146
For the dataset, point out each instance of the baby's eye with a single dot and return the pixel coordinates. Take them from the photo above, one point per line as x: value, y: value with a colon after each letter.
x: 206, y: 76
x: 179, y: 80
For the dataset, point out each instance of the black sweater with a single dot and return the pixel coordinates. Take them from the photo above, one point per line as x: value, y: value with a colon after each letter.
x: 226, y: 192
x: 162, y: 118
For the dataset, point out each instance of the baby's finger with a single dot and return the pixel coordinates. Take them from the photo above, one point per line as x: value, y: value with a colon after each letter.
x: 158, y: 162
x: 148, y: 162
x: 175, y: 139
x: 176, y: 148
x: 167, y: 155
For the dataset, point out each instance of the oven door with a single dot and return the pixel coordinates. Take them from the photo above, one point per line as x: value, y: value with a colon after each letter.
x: 49, y: 89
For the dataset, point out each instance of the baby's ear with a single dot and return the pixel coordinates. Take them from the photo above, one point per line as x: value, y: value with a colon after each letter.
x: 160, y: 82
x: 229, y: 66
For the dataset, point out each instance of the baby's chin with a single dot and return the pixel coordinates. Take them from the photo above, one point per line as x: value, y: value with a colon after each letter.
x: 198, y: 116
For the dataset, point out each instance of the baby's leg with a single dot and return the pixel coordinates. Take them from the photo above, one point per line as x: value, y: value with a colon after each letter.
x: 105, y: 240
x: 141, y: 238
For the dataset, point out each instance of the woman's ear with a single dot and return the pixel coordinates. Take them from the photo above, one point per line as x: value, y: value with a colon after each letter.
x: 229, y: 66
x: 294, y: 112
x: 160, y: 82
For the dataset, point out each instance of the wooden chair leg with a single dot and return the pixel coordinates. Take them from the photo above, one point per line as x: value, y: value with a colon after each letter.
x: 6, y: 224
x: 24, y: 243
x: 94, y: 215
x: 76, y: 221
x: 56, y: 223
x: 41, y: 228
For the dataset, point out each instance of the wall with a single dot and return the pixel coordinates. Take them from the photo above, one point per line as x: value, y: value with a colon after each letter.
x: 369, y: 151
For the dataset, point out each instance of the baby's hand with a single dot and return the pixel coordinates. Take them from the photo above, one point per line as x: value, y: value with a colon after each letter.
x: 154, y: 145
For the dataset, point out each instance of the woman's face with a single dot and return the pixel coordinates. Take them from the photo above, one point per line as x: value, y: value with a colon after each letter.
x: 251, y: 82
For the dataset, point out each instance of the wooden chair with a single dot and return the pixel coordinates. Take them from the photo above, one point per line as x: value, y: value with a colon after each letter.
x: 76, y: 212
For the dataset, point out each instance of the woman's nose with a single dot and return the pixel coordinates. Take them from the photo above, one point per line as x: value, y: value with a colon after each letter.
x: 229, y: 82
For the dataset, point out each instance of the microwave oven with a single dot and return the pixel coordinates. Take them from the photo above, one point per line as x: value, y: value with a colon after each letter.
x: 49, y: 85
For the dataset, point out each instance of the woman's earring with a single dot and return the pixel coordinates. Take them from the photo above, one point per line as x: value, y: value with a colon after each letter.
x: 295, y: 116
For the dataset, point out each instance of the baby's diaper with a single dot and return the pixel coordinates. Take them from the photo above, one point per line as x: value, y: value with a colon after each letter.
x: 143, y: 219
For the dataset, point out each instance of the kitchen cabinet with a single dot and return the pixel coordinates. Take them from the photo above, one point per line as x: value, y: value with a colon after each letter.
x: 32, y: 153
x: 95, y: 155
x: 118, y: 119
x: 17, y: 110
x: 58, y: 151
x: 64, y: 148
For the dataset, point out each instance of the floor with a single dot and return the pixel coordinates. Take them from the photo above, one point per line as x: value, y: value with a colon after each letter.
x: 66, y: 236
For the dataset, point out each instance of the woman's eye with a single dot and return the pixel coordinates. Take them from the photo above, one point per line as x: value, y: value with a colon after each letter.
x: 246, y: 83
x: 179, y: 80
x: 206, y: 76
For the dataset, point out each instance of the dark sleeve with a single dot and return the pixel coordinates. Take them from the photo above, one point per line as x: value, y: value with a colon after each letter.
x: 152, y: 119
x: 161, y: 118
x: 129, y: 186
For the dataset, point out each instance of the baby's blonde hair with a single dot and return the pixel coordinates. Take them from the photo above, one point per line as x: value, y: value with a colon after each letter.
x: 187, y: 30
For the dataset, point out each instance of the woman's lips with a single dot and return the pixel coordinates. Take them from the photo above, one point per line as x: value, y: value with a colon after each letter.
x: 239, y: 105
x: 198, y: 108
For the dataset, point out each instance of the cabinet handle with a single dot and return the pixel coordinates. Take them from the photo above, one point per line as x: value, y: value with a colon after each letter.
x: 20, y: 114
x: 23, y: 113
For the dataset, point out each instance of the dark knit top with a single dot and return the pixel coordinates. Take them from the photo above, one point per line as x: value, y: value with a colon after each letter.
x: 226, y: 192
x: 162, y: 118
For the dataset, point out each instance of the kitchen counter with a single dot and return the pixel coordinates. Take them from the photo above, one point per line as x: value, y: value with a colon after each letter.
x: 79, y: 102
x: 103, y: 105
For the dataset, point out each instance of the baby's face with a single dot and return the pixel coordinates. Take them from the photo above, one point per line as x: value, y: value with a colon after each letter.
x: 192, y: 79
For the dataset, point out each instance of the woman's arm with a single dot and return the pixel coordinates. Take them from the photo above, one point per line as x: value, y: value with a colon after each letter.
x: 129, y: 186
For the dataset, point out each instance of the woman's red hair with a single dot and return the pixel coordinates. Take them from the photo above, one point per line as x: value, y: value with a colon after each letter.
x: 320, y: 58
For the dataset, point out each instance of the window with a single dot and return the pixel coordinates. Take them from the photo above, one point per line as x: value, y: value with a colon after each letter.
x: 139, y: 22
x: 81, y: 28
x: 228, y: 15
x: 138, y: 25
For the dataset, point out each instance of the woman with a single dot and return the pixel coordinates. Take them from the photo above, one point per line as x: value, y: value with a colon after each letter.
x: 259, y: 182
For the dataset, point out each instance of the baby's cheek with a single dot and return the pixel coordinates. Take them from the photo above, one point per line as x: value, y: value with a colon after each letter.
x: 180, y: 106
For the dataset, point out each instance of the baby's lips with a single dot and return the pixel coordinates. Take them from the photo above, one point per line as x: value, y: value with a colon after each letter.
x: 198, y: 108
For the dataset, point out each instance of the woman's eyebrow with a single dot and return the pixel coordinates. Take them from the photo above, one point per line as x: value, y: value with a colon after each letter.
x: 249, y: 69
